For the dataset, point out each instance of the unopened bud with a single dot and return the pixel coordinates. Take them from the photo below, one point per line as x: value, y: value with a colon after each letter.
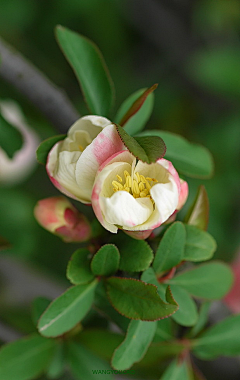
x: 59, y: 216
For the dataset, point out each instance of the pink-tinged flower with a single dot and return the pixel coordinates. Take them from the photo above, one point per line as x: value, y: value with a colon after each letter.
x: 73, y: 162
x: 16, y: 169
x: 135, y: 196
x: 59, y: 216
x: 232, y: 299
x: 183, y: 194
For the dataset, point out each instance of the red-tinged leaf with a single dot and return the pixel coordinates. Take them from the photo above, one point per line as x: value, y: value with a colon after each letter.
x: 137, y: 105
x: 148, y: 149
x: 198, y: 214
x: 137, y: 300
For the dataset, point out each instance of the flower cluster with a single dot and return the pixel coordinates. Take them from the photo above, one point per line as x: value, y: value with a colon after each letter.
x: 93, y: 166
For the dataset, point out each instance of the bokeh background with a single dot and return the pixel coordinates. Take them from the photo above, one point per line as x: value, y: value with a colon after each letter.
x: 191, y: 48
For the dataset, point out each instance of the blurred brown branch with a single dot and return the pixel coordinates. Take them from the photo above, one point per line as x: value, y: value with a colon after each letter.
x: 46, y: 96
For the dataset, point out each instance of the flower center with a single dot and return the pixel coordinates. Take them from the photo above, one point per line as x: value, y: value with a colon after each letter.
x: 139, y: 186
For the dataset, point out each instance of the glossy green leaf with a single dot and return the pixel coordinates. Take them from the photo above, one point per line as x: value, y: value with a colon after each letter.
x: 11, y: 139
x: 25, y: 358
x: 135, y: 255
x: 39, y: 305
x: 202, y: 318
x: 221, y: 339
x: 200, y: 245
x: 187, y: 314
x: 171, y: 248
x: 45, y: 147
x: 210, y: 281
x: 67, y: 310
x: 85, y: 365
x: 78, y: 269
x: 137, y: 300
x: 133, y: 348
x: 136, y: 110
x: 90, y: 69
x: 164, y: 330
x: 176, y: 371
x: 101, y: 303
x: 106, y: 261
x: 188, y: 158
x: 147, y: 149
x: 198, y: 213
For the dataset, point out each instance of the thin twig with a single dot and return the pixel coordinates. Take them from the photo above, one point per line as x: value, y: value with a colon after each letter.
x: 45, y: 95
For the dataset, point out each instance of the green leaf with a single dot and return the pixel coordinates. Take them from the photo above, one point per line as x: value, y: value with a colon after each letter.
x: 133, y: 348
x: 149, y: 276
x: 136, y: 110
x: 210, y: 281
x: 39, y: 305
x: 67, y: 310
x: 187, y: 313
x: 198, y: 214
x: 90, y: 69
x: 11, y: 139
x: 164, y: 330
x: 25, y: 358
x: 137, y: 300
x: 106, y: 261
x: 85, y: 365
x: 78, y: 269
x: 188, y: 158
x: 221, y: 339
x: 176, y: 371
x: 200, y: 245
x: 147, y: 149
x: 101, y: 303
x: 171, y: 248
x: 135, y: 255
x: 202, y: 319
x: 56, y: 367
x: 45, y: 147
x: 100, y: 341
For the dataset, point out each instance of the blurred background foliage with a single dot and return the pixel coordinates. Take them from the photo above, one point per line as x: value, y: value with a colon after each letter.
x: 191, y: 48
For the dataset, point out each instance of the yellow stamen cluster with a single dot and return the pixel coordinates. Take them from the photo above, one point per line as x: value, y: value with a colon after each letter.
x: 138, y: 186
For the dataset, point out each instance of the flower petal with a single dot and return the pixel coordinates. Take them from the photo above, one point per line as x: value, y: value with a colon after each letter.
x: 124, y: 210
x: 165, y: 193
x: 183, y: 194
x: 83, y: 131
x: 102, y: 147
x: 61, y: 170
x: 92, y: 124
x: 16, y: 169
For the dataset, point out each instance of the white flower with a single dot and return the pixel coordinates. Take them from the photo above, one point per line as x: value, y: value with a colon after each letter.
x: 16, y: 169
x: 73, y: 163
x: 135, y: 196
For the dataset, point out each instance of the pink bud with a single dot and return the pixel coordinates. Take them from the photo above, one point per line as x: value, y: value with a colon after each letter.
x: 59, y: 216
